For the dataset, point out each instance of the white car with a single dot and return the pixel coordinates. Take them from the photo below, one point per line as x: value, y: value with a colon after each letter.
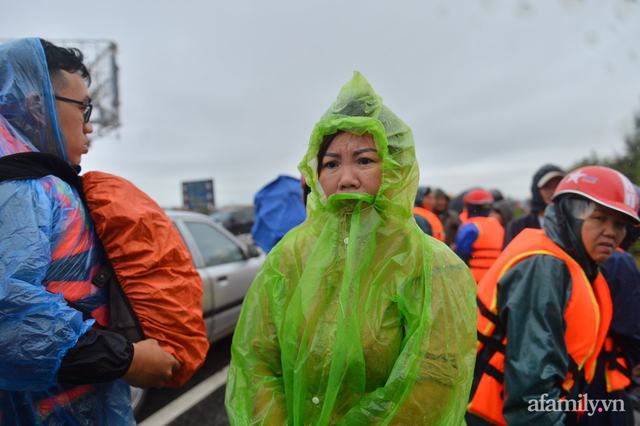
x: 227, y: 267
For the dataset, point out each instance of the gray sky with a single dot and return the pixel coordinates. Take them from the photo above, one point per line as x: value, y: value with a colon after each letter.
x: 231, y: 90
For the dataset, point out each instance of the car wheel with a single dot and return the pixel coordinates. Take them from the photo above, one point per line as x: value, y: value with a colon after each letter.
x: 138, y: 396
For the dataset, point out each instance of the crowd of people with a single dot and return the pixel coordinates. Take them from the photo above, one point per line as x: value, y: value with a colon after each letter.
x: 389, y: 304
x: 526, y: 301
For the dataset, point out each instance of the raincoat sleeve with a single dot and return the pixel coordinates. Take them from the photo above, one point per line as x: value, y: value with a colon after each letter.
x: 466, y: 236
x: 533, y: 296
x: 256, y: 368
x: 37, y: 328
x: 437, y: 393
x: 99, y: 356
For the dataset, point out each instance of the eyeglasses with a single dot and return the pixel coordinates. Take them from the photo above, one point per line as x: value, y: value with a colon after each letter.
x: 87, y: 107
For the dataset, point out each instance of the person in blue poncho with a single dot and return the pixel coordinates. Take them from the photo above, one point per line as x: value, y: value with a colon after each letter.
x: 279, y: 208
x: 58, y: 367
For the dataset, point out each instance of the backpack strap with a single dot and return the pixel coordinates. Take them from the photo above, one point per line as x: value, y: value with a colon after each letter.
x: 612, y: 357
x: 122, y: 318
x: 36, y: 165
x: 493, y: 346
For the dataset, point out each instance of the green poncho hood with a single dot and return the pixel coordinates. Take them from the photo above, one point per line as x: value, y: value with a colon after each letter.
x: 357, y: 317
x: 360, y: 110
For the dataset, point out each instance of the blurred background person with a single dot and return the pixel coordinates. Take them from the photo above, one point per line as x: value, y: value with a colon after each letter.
x: 279, y: 207
x: 479, y: 238
x: 543, y: 185
x: 449, y: 218
x: 423, y: 208
x: 503, y: 211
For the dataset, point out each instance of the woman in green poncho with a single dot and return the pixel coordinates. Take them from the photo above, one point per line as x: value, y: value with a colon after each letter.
x: 357, y: 317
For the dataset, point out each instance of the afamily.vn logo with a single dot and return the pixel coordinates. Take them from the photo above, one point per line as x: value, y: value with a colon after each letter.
x: 590, y: 406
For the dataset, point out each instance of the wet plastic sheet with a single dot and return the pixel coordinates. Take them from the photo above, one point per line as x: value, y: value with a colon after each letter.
x: 48, y: 243
x: 279, y: 208
x: 357, y: 317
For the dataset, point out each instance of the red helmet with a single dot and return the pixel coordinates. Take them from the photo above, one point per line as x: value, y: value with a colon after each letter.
x: 605, y: 186
x: 478, y: 197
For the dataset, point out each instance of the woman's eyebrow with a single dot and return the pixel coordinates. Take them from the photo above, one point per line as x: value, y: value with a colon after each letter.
x: 362, y: 151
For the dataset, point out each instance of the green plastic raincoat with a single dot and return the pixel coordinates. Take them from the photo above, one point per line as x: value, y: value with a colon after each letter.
x: 357, y: 317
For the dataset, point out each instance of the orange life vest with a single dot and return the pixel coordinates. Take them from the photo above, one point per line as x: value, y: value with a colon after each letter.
x: 436, y: 225
x: 464, y: 215
x: 487, y: 246
x: 588, y: 315
x: 616, y: 372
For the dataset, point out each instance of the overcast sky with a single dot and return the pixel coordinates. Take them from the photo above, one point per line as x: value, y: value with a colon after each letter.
x: 231, y: 90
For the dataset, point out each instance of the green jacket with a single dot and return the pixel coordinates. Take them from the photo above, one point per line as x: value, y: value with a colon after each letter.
x: 357, y: 317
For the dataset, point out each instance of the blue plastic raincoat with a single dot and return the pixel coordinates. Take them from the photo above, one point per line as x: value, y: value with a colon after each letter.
x: 279, y: 208
x: 48, y: 249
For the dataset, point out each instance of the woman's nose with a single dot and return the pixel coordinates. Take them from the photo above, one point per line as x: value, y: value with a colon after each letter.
x: 609, y: 229
x: 349, y: 179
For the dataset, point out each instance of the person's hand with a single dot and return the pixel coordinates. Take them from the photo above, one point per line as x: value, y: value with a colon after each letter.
x: 152, y: 366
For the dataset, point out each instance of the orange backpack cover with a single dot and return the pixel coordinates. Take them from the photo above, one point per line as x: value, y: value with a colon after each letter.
x: 153, y: 266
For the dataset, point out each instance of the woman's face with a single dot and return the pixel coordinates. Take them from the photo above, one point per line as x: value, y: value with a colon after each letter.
x: 351, y: 164
x: 602, y: 232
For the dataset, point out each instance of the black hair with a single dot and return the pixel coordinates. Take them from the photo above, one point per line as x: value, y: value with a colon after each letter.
x: 440, y: 193
x: 324, y: 146
x: 66, y: 59
x: 475, y: 210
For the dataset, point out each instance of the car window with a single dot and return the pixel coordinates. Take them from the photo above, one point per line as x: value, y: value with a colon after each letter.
x: 214, y: 246
x: 221, y: 216
x: 184, y: 241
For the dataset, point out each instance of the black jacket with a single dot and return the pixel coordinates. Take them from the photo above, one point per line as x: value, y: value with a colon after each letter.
x: 538, y: 205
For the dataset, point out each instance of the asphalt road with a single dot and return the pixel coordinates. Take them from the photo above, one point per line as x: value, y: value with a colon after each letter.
x: 212, y: 407
x: 210, y: 410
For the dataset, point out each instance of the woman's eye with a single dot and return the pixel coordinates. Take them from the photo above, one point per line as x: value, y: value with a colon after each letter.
x: 330, y: 165
x: 365, y: 161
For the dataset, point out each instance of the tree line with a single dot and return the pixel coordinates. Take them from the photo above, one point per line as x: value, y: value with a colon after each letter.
x: 627, y: 163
